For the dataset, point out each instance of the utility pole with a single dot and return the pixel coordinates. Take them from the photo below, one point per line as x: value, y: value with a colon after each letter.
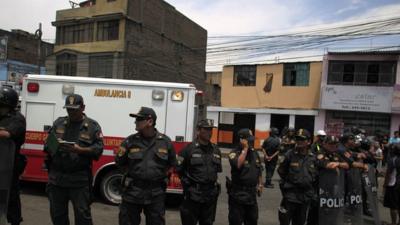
x: 38, y: 36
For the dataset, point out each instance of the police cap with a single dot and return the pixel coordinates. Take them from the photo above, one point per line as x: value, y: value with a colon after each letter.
x: 246, y: 133
x: 73, y: 101
x: 145, y: 113
x: 206, y: 123
x: 331, y: 140
x: 347, y: 136
x: 302, y: 134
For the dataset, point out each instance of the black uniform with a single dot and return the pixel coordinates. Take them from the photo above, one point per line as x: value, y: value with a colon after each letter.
x: 15, y: 124
x: 243, y: 208
x: 146, y: 162
x: 198, y: 167
x: 271, y: 146
x: 70, y: 174
x: 298, y: 174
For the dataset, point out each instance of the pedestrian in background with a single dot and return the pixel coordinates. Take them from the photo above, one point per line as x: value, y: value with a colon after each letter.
x: 270, y: 148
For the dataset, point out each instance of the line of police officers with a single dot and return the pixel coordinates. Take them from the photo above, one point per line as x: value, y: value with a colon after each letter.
x: 147, y: 157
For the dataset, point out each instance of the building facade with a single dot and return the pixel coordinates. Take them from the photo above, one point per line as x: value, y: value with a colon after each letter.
x: 19, y: 55
x: 129, y: 39
x: 360, y: 89
x: 262, y: 96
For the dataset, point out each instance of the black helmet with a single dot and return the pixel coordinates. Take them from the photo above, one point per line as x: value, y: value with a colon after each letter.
x: 274, y: 131
x: 8, y: 97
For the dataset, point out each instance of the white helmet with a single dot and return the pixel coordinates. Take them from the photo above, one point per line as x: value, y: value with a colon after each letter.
x: 321, y: 133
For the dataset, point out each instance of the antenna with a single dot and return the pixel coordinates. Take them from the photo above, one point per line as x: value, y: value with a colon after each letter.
x: 73, y: 4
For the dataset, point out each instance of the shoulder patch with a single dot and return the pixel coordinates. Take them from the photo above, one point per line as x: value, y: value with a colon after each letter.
x: 196, y: 155
x: 232, y: 155
x: 320, y: 156
x: 134, y: 150
x: 179, y: 159
x: 121, y: 151
x: 163, y: 150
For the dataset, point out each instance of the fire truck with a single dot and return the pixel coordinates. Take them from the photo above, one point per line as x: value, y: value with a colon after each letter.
x: 109, y: 102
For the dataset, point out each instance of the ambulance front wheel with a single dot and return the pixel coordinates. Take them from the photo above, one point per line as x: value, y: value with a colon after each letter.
x: 110, y: 187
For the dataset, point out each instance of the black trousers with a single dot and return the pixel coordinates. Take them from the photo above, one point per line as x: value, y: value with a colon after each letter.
x: 292, y: 213
x: 129, y: 213
x: 269, y: 170
x: 14, y: 202
x: 241, y: 213
x: 81, y: 199
x: 313, y: 212
x: 195, y: 212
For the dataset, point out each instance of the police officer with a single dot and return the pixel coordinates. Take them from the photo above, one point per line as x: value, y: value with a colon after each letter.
x: 145, y: 157
x: 288, y: 140
x: 271, y: 150
x: 198, y: 166
x: 246, y: 171
x: 69, y: 163
x: 328, y: 159
x: 13, y: 126
x: 317, y: 145
x: 298, y: 180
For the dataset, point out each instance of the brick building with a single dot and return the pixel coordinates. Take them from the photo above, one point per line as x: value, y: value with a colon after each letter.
x: 129, y: 39
x: 19, y: 54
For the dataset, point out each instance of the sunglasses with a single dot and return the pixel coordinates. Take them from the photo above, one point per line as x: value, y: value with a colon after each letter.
x: 141, y: 118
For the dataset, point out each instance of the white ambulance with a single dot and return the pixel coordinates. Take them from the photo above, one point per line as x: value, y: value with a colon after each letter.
x: 109, y: 102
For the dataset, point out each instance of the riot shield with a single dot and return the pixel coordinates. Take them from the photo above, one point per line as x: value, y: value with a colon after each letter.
x: 331, y: 197
x: 353, y: 200
x: 7, y: 154
x: 370, y: 186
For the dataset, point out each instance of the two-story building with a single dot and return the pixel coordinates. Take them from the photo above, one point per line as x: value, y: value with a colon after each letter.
x: 262, y: 96
x: 129, y: 39
x: 360, y: 89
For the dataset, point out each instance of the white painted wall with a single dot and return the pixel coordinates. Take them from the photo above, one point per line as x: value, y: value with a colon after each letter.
x: 319, y: 122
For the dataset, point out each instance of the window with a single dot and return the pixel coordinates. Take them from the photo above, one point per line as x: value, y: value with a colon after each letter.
x: 66, y: 64
x: 108, y: 30
x: 368, y: 73
x: 296, y: 74
x: 101, y: 66
x: 74, y: 33
x: 244, y: 75
x: 371, y: 122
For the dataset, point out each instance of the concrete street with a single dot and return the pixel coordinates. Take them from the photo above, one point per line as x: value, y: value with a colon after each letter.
x: 36, y: 206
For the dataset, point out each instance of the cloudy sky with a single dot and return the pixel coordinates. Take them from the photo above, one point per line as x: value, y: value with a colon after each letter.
x: 226, y: 17
x: 219, y: 17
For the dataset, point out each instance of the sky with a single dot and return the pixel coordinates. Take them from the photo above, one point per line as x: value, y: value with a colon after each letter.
x: 220, y: 17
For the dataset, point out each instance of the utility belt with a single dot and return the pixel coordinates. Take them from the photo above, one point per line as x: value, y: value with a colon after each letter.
x: 207, y: 186
x: 143, y: 184
x: 247, y: 188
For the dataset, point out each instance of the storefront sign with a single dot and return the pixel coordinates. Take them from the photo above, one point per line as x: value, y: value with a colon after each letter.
x: 357, y: 98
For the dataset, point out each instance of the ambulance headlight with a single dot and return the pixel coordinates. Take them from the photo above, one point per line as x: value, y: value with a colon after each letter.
x: 158, y: 95
x: 177, y: 96
x: 68, y: 89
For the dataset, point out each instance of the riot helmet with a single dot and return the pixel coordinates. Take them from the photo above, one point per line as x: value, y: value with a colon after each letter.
x: 8, y: 97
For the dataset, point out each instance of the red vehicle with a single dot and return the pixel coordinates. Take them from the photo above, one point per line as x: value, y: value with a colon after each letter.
x: 109, y: 101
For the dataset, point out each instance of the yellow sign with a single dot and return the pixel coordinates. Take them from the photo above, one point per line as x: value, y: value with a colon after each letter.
x: 108, y: 93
